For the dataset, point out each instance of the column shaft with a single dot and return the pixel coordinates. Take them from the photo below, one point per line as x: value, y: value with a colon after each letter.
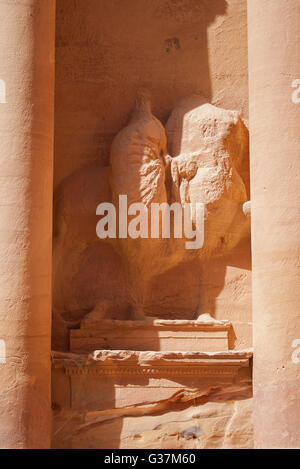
x: 274, y: 64
x: 27, y: 38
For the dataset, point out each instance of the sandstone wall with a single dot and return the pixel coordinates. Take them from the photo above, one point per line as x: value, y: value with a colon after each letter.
x: 105, y: 51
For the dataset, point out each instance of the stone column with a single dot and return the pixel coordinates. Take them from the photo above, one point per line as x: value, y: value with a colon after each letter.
x: 27, y: 39
x: 274, y: 64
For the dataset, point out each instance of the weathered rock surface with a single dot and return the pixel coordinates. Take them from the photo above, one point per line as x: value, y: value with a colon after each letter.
x: 127, y: 399
x: 210, y: 149
x: 210, y: 166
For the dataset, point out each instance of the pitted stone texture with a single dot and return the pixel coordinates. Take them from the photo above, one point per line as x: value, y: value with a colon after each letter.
x: 210, y: 146
x: 149, y: 411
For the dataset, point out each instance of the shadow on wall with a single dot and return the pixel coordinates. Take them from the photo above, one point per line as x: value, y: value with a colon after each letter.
x: 156, y: 422
x: 192, y: 288
x: 106, y: 50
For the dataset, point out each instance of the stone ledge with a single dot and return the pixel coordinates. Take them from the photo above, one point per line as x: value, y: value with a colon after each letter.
x: 164, y: 364
x: 159, y: 323
x: 165, y: 335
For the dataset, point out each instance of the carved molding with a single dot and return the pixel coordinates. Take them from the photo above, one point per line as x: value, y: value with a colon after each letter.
x: 152, y: 364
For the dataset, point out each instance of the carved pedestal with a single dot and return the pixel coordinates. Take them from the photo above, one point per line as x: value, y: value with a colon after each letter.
x: 156, y: 335
x: 156, y: 384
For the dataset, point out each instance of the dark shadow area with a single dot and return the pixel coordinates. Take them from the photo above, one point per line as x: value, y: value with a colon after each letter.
x: 106, y: 50
x: 191, y: 288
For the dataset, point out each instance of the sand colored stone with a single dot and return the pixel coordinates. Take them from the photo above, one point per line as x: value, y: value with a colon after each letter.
x: 101, y: 286
x: 151, y: 342
x: 153, y: 399
x: 274, y: 55
x: 207, y: 172
x: 27, y: 40
x: 159, y: 335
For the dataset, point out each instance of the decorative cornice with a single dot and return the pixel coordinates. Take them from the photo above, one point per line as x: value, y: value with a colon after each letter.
x: 152, y: 364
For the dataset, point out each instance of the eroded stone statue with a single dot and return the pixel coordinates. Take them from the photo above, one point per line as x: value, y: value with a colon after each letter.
x: 206, y: 144
x: 198, y: 157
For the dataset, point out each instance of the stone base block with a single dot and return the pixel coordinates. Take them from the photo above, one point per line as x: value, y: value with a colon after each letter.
x: 163, y: 335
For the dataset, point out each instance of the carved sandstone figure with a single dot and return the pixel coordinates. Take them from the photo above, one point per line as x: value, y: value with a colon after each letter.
x: 207, y: 144
x: 138, y: 171
x: 207, y: 163
x: 137, y: 157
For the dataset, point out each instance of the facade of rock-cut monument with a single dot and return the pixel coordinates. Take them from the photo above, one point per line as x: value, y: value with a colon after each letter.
x: 141, y: 339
